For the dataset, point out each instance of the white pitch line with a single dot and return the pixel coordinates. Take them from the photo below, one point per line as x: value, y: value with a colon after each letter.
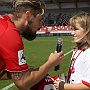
x: 68, y: 52
x: 7, y: 87
x: 12, y: 84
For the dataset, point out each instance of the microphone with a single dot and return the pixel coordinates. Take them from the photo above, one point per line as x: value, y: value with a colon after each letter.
x: 58, y: 49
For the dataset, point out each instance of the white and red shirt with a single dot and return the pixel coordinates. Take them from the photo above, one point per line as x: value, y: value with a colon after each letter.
x: 12, y: 56
x: 81, y: 67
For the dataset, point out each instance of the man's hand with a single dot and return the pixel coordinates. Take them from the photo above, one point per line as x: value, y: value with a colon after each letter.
x: 55, y: 58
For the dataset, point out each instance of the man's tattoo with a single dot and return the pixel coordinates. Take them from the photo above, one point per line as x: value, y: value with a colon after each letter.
x: 17, y: 75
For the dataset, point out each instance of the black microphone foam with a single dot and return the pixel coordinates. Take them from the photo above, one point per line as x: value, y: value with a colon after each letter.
x: 58, y: 49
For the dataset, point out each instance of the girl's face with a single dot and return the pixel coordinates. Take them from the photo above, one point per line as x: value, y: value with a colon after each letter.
x: 78, y: 33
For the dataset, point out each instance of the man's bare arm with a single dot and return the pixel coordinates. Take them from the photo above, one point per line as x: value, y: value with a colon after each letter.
x: 27, y: 79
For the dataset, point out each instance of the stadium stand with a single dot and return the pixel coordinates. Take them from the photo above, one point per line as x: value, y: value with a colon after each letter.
x: 58, y: 13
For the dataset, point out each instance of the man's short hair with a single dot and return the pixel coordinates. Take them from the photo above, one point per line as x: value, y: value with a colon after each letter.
x: 36, y: 4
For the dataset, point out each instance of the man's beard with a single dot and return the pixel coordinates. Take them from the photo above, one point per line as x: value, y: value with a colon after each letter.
x: 28, y: 33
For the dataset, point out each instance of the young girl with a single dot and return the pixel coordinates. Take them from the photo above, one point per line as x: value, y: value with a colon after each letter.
x: 79, y: 71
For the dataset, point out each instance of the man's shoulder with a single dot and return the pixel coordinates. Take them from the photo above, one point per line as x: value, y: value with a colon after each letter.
x: 3, y: 25
x: 3, y: 22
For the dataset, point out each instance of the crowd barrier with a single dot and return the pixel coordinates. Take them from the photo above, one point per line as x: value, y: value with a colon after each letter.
x: 55, y: 31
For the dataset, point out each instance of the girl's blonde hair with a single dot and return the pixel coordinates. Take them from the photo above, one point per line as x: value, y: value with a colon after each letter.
x: 84, y: 20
